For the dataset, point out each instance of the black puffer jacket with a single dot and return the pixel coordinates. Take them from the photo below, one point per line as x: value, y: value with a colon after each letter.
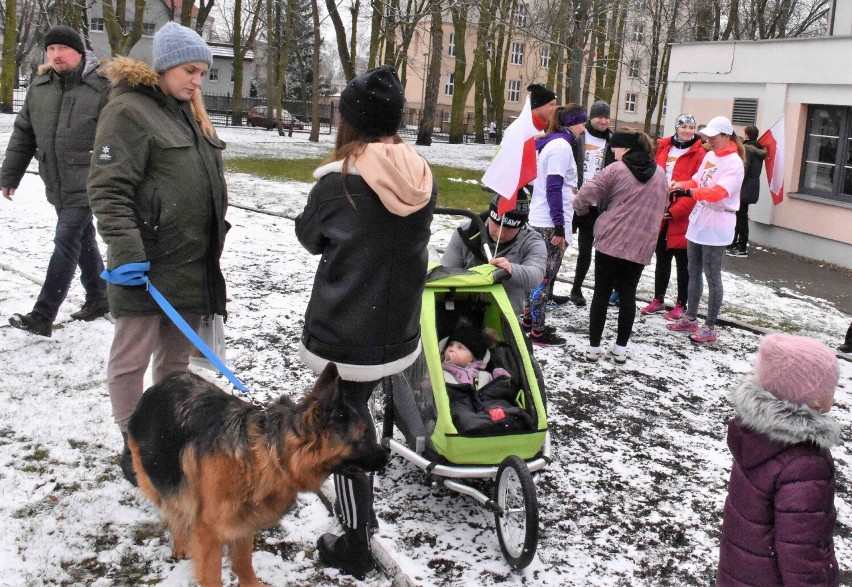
x: 158, y: 191
x: 755, y: 154
x: 57, y: 125
x: 364, y: 312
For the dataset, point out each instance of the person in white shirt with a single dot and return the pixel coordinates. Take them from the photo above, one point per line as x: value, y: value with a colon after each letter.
x: 551, y: 210
x: 716, y: 190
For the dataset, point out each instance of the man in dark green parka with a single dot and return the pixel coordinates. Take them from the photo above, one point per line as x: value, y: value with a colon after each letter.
x: 57, y: 126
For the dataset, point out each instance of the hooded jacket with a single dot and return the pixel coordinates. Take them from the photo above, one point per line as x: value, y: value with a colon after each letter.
x: 630, y: 225
x: 157, y: 189
x: 371, y: 230
x: 779, y: 516
x: 526, y: 252
x: 56, y: 125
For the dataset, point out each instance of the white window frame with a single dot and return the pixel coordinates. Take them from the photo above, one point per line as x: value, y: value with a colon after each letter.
x: 514, y: 91
x: 634, y: 68
x: 517, y: 55
x: 97, y: 24
x: 630, y: 100
x: 213, y: 74
x: 521, y: 15
x: 450, y: 87
x: 451, y: 45
x: 148, y: 29
x: 638, y: 32
x: 545, y: 57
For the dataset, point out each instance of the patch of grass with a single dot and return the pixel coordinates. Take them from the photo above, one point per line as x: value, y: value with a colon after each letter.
x: 289, y: 169
x: 455, y: 189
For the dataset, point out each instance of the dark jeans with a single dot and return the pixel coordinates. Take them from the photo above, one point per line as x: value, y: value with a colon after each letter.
x: 663, y: 271
x: 612, y: 273
x: 741, y: 231
x: 73, y: 244
x: 585, y: 229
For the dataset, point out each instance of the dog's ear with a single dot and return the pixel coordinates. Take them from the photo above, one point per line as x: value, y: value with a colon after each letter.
x: 327, y: 387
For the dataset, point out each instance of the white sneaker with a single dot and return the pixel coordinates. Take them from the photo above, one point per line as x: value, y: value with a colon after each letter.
x: 593, y: 353
x: 619, y: 356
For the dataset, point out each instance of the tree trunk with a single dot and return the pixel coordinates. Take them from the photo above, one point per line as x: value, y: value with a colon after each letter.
x: 315, y: 69
x: 347, y: 59
x: 114, y: 20
x: 242, y: 42
x: 433, y: 80
x: 9, y: 70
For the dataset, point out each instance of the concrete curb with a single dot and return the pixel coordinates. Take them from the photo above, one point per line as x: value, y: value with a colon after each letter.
x: 384, y: 558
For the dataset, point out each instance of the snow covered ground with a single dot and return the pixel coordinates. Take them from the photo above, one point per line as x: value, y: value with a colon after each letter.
x: 633, y: 496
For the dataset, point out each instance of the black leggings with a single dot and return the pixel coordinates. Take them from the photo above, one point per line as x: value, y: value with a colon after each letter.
x: 612, y: 273
x: 663, y: 270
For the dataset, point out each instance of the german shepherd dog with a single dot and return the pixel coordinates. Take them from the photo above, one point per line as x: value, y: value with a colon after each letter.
x: 220, y: 468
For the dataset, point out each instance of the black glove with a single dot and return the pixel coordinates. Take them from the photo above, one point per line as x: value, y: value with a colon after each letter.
x: 678, y: 192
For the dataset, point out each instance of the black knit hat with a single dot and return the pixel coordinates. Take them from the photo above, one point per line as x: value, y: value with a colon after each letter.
x: 65, y: 35
x: 516, y: 217
x: 475, y: 339
x: 373, y: 102
x: 539, y: 95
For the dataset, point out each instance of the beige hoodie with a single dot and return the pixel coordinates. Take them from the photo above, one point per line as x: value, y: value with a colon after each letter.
x: 398, y: 174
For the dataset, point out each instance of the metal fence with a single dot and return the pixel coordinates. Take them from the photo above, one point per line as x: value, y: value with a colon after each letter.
x: 440, y: 132
x: 220, y: 110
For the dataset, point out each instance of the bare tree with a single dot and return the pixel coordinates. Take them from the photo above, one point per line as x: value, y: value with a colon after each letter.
x: 121, y: 37
x: 432, y: 81
x: 241, y: 25
x: 346, y: 47
x: 9, y: 69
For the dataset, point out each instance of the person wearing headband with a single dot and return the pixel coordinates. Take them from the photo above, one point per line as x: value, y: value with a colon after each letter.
x: 551, y: 211
x: 512, y: 244
x: 633, y: 193
x: 680, y: 155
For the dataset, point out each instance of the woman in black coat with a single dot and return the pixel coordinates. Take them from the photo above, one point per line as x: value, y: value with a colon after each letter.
x: 369, y: 216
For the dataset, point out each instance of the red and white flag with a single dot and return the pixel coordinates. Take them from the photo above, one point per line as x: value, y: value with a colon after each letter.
x: 513, y: 165
x: 773, y: 140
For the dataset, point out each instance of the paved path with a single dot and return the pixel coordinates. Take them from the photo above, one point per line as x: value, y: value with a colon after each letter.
x: 779, y: 269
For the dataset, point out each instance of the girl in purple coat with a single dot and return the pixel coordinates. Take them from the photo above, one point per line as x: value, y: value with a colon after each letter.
x: 779, y: 516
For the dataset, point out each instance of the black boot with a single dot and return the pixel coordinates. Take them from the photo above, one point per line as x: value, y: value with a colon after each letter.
x: 126, y: 462
x: 351, y: 552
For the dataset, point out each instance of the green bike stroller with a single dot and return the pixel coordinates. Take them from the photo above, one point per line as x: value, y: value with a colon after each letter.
x: 417, y: 402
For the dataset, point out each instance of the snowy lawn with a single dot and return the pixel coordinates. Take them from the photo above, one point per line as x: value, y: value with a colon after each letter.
x: 633, y: 497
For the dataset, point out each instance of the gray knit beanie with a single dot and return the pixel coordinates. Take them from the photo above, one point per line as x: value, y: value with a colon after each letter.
x: 175, y: 45
x: 599, y: 109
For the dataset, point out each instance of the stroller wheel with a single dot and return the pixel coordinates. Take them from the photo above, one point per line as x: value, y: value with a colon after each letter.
x: 517, y: 525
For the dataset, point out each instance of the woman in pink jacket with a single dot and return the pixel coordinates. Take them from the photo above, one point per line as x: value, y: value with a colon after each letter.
x: 716, y: 190
x: 631, y: 194
x: 680, y: 155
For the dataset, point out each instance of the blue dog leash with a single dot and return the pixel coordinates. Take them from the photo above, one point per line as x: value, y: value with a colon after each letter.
x: 135, y: 274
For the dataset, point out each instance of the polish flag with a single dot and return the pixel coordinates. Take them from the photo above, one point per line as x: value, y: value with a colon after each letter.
x: 513, y: 166
x: 773, y: 140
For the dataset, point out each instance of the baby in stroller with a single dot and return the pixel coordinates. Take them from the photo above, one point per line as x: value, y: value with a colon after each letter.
x: 482, y: 402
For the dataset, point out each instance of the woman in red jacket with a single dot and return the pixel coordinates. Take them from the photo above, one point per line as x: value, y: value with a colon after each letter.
x: 680, y: 155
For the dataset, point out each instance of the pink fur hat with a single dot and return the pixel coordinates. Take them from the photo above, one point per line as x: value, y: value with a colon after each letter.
x: 797, y: 369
